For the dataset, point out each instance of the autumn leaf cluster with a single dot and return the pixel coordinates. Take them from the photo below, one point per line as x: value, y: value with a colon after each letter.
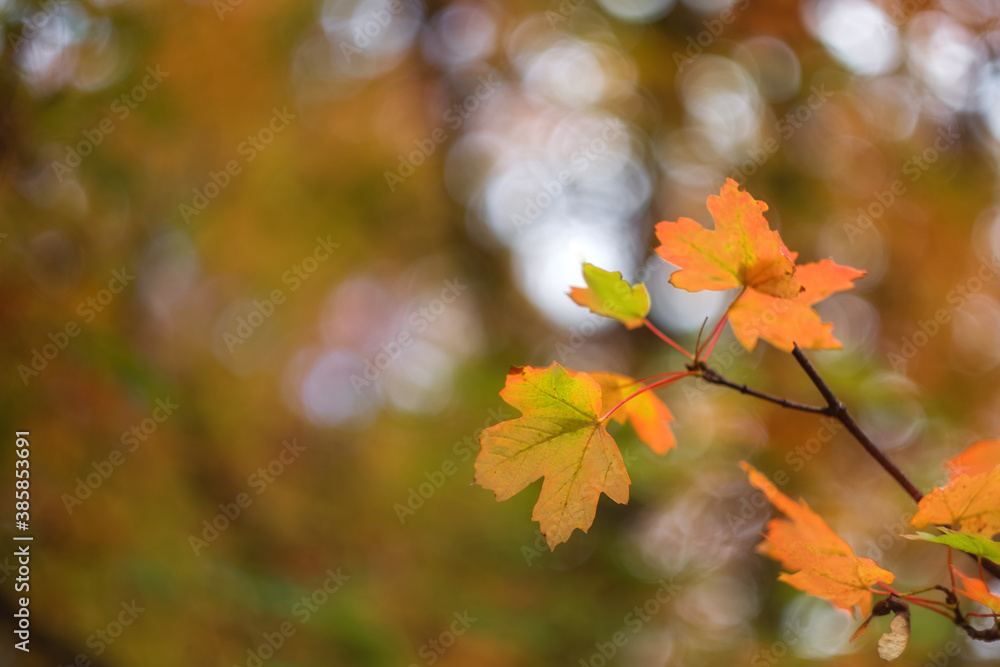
x: 562, y: 435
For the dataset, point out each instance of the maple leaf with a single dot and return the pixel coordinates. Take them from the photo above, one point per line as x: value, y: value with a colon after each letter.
x: 742, y: 251
x: 609, y: 295
x: 802, y: 526
x: 843, y: 580
x: 649, y: 415
x: 787, y: 322
x: 977, y: 545
x: 559, y: 437
x: 980, y: 457
x: 977, y: 591
x: 827, y: 565
x: 777, y: 296
x: 970, y: 503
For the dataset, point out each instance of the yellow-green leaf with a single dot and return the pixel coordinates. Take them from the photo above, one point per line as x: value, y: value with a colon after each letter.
x: 608, y: 294
x: 977, y: 545
x: 559, y: 437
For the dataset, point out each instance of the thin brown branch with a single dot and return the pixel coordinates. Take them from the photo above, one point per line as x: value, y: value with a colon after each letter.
x: 985, y: 634
x: 837, y: 410
x: 840, y: 413
x: 709, y: 375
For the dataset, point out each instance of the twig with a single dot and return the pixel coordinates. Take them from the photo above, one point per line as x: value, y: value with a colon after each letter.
x: 712, y: 340
x: 838, y: 411
x: 710, y: 376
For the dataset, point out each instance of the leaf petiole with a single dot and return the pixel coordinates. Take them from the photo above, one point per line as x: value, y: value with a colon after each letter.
x: 920, y: 602
x: 710, y: 343
x: 667, y: 339
x: 672, y: 377
x: 713, y: 339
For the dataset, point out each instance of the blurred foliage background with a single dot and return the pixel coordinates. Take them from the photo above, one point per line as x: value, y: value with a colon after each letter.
x: 265, y: 265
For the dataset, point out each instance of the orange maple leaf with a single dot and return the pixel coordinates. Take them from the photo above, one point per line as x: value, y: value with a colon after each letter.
x: 970, y: 503
x: 649, y: 415
x: 786, y: 322
x: 742, y: 251
x: 980, y: 457
x: 802, y: 526
x: 826, y: 564
x: 977, y: 591
x: 843, y: 580
x: 777, y: 297
x: 559, y: 436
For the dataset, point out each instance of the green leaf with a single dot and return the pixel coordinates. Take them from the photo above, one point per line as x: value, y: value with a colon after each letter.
x: 559, y: 436
x: 976, y: 545
x: 609, y: 295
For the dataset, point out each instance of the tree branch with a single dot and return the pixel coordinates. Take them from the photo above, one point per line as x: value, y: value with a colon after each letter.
x: 840, y: 413
x: 984, y: 634
x: 710, y: 376
x: 837, y: 410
